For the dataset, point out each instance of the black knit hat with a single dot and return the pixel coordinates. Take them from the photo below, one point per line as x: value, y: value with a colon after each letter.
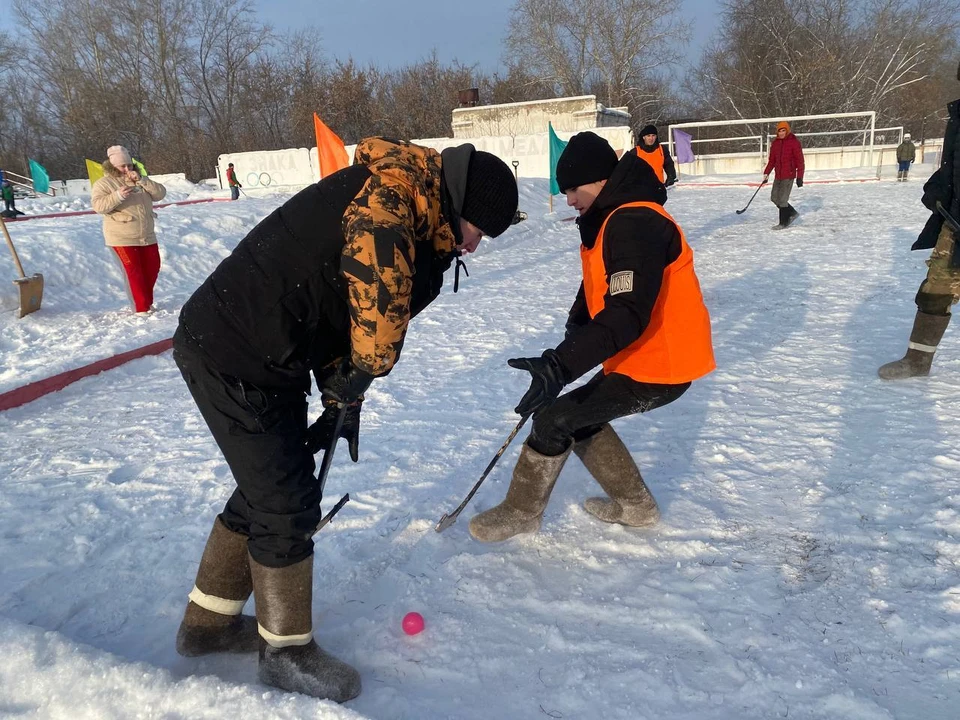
x: 649, y: 130
x: 587, y: 158
x: 491, y: 198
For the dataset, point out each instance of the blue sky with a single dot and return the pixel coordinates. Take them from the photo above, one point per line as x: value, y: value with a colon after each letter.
x: 389, y: 33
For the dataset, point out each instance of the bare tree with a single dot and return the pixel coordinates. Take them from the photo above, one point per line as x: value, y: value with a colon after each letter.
x: 793, y: 57
x: 620, y: 50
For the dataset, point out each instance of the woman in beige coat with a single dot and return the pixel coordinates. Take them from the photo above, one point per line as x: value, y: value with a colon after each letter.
x: 125, y: 199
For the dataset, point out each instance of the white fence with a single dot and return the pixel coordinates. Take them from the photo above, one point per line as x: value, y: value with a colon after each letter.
x: 298, y: 167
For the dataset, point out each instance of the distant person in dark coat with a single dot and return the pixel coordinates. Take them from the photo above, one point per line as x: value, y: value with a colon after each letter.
x: 906, y: 154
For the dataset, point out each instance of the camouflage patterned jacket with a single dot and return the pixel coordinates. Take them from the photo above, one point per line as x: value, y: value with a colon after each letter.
x: 339, y: 269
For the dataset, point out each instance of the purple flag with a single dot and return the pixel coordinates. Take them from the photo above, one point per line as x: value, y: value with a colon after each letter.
x: 684, y: 146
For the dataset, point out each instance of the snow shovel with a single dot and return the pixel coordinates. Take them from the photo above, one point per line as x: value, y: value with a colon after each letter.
x: 741, y: 212
x: 448, y: 520
x: 31, y: 288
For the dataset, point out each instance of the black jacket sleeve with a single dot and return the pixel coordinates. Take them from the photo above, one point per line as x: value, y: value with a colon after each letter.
x: 579, y: 315
x: 669, y: 169
x: 638, y: 241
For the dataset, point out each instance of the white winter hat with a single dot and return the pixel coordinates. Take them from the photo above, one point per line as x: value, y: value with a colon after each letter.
x: 119, y: 156
x: 906, y: 136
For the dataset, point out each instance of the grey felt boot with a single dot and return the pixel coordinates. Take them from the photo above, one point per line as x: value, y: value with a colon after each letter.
x: 927, y: 332
x: 522, y: 510
x: 212, y: 621
x: 609, y: 461
x: 899, y: 175
x: 289, y: 657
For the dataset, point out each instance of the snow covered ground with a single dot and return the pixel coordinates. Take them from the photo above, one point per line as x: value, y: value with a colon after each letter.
x: 807, y: 565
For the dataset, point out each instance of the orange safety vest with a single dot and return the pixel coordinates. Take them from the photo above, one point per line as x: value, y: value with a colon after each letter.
x: 655, y: 160
x: 675, y: 347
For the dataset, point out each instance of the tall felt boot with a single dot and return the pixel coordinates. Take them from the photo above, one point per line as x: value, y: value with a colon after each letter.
x: 905, y: 174
x: 899, y: 175
x: 927, y: 332
x: 784, y: 219
x: 290, y: 659
x: 792, y: 213
x: 212, y: 621
x: 608, y: 460
x: 522, y: 510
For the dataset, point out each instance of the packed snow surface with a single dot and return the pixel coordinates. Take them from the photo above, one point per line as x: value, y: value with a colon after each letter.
x: 807, y: 564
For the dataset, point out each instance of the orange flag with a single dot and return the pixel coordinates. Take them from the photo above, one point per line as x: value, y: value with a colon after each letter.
x: 330, y: 150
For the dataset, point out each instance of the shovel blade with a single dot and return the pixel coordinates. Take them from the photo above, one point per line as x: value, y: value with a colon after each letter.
x: 31, y: 293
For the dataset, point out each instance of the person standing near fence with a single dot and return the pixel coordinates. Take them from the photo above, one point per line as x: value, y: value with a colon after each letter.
x: 6, y: 192
x: 786, y: 160
x: 656, y: 155
x: 233, y: 182
x: 125, y: 199
x: 906, y: 154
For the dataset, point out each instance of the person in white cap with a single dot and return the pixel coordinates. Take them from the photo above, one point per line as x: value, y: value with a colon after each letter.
x: 125, y: 199
x: 906, y: 154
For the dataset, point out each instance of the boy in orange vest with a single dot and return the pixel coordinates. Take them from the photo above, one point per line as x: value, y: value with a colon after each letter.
x: 639, y: 313
x: 656, y: 155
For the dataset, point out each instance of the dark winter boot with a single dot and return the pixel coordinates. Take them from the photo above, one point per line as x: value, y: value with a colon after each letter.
x: 927, y: 332
x: 612, y: 466
x: 212, y: 622
x: 522, y: 509
x: 792, y: 214
x: 784, y: 219
x: 899, y: 175
x: 905, y: 174
x: 289, y: 657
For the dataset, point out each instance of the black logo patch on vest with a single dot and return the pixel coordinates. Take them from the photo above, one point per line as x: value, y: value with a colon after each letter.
x: 621, y: 282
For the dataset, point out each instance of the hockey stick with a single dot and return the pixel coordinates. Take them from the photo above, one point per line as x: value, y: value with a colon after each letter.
x: 325, y: 470
x: 741, y: 212
x: 949, y: 219
x: 448, y: 520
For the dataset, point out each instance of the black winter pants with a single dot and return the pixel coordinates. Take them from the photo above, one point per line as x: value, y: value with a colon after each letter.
x: 261, y: 433
x: 581, y: 413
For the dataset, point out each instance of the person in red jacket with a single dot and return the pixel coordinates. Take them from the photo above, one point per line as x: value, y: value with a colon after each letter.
x: 233, y: 182
x: 786, y: 160
x: 639, y: 315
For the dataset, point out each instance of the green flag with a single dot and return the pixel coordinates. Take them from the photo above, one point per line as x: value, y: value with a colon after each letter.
x: 140, y: 167
x: 556, y: 148
x: 38, y: 173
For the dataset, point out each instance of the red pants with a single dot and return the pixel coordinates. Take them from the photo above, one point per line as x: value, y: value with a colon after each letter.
x: 142, y: 266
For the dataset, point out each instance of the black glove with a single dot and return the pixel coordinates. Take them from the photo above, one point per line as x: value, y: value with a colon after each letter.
x: 799, y: 182
x: 670, y: 181
x: 320, y: 434
x: 548, y: 380
x: 346, y: 384
x: 239, y: 185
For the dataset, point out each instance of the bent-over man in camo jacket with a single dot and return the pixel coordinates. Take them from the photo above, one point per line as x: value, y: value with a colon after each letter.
x: 325, y: 284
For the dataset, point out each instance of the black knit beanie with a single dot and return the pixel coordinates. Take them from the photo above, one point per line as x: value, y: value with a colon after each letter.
x: 491, y: 198
x: 649, y: 130
x: 586, y: 159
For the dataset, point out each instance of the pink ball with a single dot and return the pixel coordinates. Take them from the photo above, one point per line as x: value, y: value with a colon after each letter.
x: 412, y: 623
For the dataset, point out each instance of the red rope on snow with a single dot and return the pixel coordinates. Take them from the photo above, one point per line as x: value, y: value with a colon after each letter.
x: 29, y: 393
x: 72, y: 213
